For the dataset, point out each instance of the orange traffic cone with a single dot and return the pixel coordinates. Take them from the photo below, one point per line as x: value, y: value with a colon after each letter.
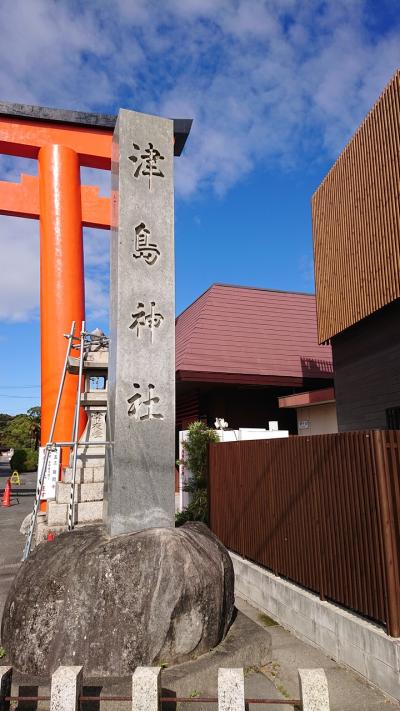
x: 6, y: 499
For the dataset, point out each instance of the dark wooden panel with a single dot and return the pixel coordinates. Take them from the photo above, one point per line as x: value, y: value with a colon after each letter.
x: 356, y: 222
x: 367, y: 370
x: 321, y: 511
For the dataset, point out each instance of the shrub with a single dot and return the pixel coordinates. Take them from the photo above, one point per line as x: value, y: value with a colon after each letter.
x: 196, y: 460
x: 24, y: 460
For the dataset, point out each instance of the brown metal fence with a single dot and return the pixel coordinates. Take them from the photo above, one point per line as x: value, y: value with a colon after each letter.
x: 322, y: 511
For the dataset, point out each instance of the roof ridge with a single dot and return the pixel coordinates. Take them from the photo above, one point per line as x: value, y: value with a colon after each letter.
x: 206, y: 292
x: 242, y: 286
x: 189, y: 306
x: 263, y: 288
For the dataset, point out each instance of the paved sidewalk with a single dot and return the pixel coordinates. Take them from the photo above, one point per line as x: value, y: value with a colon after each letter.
x: 347, y: 690
x: 279, y: 679
x: 12, y: 542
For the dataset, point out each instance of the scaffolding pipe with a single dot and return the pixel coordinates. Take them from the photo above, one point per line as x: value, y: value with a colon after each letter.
x: 75, y: 433
x: 48, y: 447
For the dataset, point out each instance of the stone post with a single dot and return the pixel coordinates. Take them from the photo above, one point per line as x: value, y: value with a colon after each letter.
x: 66, y: 685
x: 146, y: 689
x: 5, y: 687
x: 314, y: 690
x: 139, y: 487
x: 231, y: 690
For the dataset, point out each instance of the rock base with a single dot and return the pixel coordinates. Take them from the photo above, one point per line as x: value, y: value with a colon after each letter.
x: 111, y: 604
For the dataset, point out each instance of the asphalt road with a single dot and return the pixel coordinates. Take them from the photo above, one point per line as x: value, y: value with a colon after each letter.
x: 11, y: 540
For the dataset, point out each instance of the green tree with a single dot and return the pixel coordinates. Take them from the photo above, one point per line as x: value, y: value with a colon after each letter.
x: 18, y: 432
x: 4, y: 420
x: 22, y: 431
x: 196, y: 460
x: 24, y: 460
x: 35, y: 414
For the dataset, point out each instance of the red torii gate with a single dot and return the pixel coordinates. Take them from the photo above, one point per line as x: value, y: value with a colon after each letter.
x: 61, y: 141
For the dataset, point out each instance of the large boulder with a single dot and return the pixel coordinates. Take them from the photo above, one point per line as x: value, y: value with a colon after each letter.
x: 111, y: 604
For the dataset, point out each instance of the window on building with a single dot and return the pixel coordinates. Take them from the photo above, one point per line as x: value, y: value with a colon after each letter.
x: 393, y: 418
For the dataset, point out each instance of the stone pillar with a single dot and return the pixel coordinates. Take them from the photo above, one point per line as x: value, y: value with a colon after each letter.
x: 66, y: 685
x: 314, y: 689
x: 231, y: 690
x: 146, y: 689
x: 139, y: 489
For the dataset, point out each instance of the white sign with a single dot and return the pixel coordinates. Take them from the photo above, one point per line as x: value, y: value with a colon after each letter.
x: 52, y: 472
x: 273, y: 426
x: 304, y: 424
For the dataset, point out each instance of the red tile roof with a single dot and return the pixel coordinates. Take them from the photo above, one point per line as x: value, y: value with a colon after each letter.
x: 257, y: 334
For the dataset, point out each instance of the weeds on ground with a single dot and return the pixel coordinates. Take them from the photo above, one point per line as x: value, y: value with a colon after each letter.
x: 283, y: 691
x: 271, y: 670
x: 267, y: 621
x: 2, y: 652
x: 250, y: 670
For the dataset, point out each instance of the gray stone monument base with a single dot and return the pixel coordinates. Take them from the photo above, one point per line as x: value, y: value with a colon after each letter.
x: 111, y: 604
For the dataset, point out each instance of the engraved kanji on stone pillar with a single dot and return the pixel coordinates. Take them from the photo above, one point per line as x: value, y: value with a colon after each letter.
x: 139, y: 488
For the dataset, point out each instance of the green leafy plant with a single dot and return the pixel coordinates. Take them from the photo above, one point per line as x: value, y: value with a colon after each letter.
x: 24, y: 460
x: 2, y: 652
x: 196, y: 460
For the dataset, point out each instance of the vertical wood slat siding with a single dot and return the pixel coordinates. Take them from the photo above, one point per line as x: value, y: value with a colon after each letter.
x: 318, y: 511
x: 356, y: 222
x: 187, y: 409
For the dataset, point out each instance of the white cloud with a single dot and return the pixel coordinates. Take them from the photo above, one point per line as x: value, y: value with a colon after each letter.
x: 258, y: 76
x: 306, y: 269
x: 19, y: 280
x: 276, y: 83
x: 96, y: 246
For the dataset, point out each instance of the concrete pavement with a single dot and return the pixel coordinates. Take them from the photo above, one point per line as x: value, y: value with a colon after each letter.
x: 278, y: 679
x: 12, y: 542
x: 347, y: 690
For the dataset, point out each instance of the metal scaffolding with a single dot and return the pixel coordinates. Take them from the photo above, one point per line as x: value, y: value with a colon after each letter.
x: 81, y: 342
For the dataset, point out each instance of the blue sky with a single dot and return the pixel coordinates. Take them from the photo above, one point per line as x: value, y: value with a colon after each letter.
x: 275, y: 87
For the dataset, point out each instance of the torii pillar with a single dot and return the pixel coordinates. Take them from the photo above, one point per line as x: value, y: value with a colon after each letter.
x: 62, y: 142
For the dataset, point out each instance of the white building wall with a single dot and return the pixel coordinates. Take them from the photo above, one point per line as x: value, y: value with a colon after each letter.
x: 317, y: 419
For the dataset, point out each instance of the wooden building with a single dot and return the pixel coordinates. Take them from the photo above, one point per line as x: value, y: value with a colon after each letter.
x: 238, y: 349
x: 315, y: 411
x: 356, y: 232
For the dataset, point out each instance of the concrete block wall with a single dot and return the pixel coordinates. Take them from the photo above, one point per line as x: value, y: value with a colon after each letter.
x: 83, y: 492
x: 85, y: 512
x: 348, y: 639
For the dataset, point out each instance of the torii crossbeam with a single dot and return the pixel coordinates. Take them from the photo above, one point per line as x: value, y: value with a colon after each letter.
x: 61, y: 141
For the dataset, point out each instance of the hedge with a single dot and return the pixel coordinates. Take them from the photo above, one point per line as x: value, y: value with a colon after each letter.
x: 24, y: 460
